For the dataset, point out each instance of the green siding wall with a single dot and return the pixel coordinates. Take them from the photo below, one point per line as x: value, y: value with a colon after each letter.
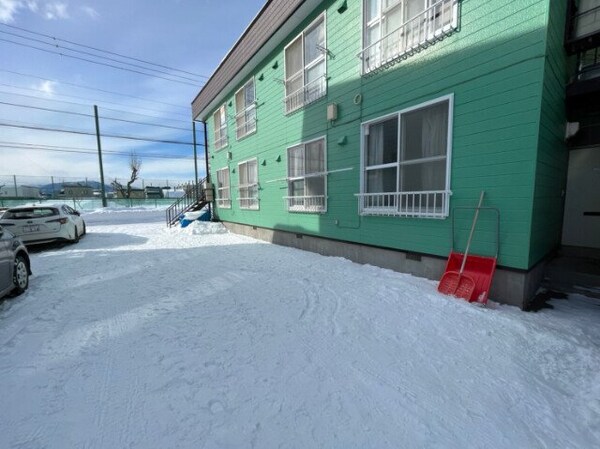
x: 552, y: 159
x: 496, y: 66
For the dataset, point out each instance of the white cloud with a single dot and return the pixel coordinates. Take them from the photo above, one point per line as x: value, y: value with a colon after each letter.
x: 90, y: 12
x: 56, y: 10
x: 47, y: 87
x: 8, y: 10
x: 32, y: 5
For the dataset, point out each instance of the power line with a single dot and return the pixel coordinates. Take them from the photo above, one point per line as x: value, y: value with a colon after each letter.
x: 33, y: 89
x: 46, y: 145
x: 92, y: 152
x: 86, y: 133
x: 80, y: 86
x: 88, y: 105
x: 143, y: 115
x: 104, y: 51
x: 106, y: 58
x: 98, y: 63
x: 91, y: 116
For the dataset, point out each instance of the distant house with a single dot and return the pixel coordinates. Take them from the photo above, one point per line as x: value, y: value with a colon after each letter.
x: 135, y: 193
x: 356, y: 128
x: 77, y: 190
x: 20, y: 192
x: 175, y: 193
x: 153, y: 192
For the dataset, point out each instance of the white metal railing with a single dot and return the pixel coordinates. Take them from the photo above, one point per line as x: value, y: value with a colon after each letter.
x: 225, y: 203
x: 314, y: 203
x: 422, y: 30
x: 306, y: 94
x: 426, y: 204
x: 588, y: 64
x: 245, y: 121
x: 248, y: 203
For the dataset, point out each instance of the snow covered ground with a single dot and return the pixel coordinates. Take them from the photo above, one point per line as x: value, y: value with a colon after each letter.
x: 145, y: 337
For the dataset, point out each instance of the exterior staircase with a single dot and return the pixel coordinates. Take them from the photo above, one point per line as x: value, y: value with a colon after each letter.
x: 195, y: 198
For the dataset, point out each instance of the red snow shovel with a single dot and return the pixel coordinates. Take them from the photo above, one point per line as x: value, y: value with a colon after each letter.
x: 457, y: 283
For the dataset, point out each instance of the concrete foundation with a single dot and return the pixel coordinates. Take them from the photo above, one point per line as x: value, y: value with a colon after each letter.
x: 514, y: 287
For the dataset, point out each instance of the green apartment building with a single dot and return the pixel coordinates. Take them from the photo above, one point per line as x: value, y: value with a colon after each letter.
x: 365, y: 128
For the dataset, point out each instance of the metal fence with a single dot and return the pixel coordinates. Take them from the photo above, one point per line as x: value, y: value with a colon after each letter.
x: 90, y: 204
x: 19, y: 187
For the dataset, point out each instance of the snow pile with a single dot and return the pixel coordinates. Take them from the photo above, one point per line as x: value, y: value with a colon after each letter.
x: 191, y: 216
x: 205, y: 228
x: 144, y: 337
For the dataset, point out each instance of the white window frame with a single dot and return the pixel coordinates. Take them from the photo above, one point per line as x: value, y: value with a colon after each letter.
x: 308, y: 204
x: 220, y: 132
x: 243, y: 125
x: 247, y: 202
x: 587, y: 21
x: 224, y: 192
x: 309, y: 92
x: 414, y: 34
x: 403, y: 203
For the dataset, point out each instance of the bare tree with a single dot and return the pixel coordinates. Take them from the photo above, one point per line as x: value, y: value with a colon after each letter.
x: 135, y: 165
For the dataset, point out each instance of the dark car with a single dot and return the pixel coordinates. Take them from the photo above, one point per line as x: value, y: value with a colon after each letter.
x: 15, y: 267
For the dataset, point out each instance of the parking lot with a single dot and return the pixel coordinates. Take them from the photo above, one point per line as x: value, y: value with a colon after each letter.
x: 142, y: 336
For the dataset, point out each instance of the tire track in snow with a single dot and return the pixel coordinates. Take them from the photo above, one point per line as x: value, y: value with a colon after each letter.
x: 321, y: 300
x: 333, y: 316
x: 308, y: 291
x: 102, y: 406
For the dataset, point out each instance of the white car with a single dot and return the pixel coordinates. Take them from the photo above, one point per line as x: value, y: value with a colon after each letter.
x: 44, y: 223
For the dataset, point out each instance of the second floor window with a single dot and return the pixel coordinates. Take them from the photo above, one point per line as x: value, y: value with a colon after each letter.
x: 587, y: 20
x: 305, y: 67
x: 245, y: 108
x: 220, y: 127
x: 394, y: 28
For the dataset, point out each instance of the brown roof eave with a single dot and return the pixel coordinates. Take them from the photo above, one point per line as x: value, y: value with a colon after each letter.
x: 245, y: 32
x: 273, y: 15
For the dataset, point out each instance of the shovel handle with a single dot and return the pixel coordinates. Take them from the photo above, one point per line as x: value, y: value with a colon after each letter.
x: 464, y: 261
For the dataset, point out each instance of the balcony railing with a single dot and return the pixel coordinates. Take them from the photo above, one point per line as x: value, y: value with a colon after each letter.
x: 588, y: 65
x: 414, y: 35
x: 224, y: 203
x: 248, y: 203
x: 306, y: 94
x: 427, y: 204
x: 315, y: 203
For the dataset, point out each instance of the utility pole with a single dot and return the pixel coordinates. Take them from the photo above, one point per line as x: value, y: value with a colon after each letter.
x: 195, y: 153
x: 206, y: 163
x: 103, y: 193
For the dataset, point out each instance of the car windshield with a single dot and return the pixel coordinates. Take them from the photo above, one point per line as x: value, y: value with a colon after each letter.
x: 28, y: 213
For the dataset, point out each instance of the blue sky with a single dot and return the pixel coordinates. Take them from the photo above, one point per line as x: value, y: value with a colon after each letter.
x: 189, y: 35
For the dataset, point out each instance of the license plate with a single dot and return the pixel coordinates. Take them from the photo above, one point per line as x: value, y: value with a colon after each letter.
x: 31, y: 228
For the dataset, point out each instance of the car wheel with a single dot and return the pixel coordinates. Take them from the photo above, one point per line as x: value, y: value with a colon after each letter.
x: 76, y: 237
x: 20, y: 275
x: 84, y: 230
